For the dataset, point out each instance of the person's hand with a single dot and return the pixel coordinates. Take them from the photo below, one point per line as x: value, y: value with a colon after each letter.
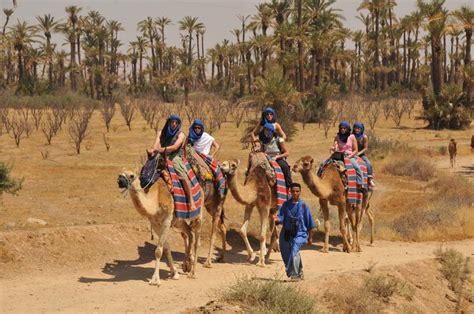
x: 161, y: 150
x: 150, y: 152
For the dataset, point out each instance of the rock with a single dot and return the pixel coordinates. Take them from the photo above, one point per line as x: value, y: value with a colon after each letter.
x: 451, y: 297
x: 36, y: 221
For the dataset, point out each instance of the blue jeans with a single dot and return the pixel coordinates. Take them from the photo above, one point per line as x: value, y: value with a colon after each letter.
x: 359, y: 177
x: 370, y: 170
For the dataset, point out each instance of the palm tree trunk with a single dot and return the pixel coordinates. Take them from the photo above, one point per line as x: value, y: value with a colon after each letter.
x: 451, y: 62
x: 436, y: 68
x: 445, y: 60
x: 300, y: 48
x: 466, y: 86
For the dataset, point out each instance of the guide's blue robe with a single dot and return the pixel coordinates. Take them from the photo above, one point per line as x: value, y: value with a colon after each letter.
x: 290, y: 250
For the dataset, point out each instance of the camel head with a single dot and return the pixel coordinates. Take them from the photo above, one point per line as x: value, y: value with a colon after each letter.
x: 125, y: 179
x: 304, y: 164
x: 229, y: 167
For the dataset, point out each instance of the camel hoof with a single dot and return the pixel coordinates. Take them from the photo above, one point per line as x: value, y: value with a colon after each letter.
x: 207, y: 264
x: 261, y: 264
x: 220, y: 259
x: 252, y: 257
x: 186, y: 266
x: 192, y: 276
x: 154, y: 281
x: 325, y: 250
x: 175, y: 276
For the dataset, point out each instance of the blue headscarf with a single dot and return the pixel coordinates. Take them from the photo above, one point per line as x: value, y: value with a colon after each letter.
x: 167, y: 133
x: 193, y: 136
x: 343, y: 137
x: 359, y: 125
x: 264, y: 118
x: 266, y: 139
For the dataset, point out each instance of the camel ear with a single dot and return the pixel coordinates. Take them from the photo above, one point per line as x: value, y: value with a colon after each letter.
x: 238, y: 162
x: 311, y: 162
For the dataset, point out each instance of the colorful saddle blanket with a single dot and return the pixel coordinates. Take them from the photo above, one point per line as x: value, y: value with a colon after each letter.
x: 354, y: 195
x: 282, y: 192
x: 218, y: 176
x: 150, y: 173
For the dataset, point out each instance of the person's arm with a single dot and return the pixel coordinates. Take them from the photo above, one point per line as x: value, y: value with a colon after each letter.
x: 279, y: 217
x: 175, y: 146
x: 279, y: 131
x: 255, y: 131
x: 156, y: 145
x: 216, y: 147
x: 366, y: 146
x: 284, y: 151
x: 334, y: 145
x: 309, y: 222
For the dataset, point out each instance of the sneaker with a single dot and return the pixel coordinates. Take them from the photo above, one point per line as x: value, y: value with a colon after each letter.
x: 371, y: 182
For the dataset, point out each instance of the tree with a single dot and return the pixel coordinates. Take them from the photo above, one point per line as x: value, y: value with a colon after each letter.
x: 47, y: 25
x: 71, y: 33
x: 7, y: 183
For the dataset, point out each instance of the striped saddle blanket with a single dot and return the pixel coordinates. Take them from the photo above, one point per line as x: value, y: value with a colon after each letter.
x: 150, y: 173
x: 181, y: 206
x: 282, y: 192
x: 354, y: 195
x: 218, y: 176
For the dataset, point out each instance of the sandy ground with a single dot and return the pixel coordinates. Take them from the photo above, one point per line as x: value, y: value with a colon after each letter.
x: 121, y: 284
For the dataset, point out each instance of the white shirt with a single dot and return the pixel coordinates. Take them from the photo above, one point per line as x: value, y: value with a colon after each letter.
x: 203, y: 145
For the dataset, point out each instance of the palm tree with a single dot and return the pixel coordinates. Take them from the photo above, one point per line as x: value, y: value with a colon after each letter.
x: 162, y: 22
x: 70, y: 30
x: 190, y: 25
x: 465, y: 15
x: 147, y: 27
x: 23, y: 36
x: 47, y: 25
x: 436, y: 16
x: 8, y: 13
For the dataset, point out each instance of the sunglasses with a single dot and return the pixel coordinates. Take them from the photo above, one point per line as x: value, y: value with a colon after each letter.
x: 197, y: 128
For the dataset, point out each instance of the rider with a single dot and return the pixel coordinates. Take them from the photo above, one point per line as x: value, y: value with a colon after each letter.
x: 346, y: 143
x: 170, y: 141
x: 268, y: 116
x: 275, y: 148
x: 362, y: 147
x: 201, y: 141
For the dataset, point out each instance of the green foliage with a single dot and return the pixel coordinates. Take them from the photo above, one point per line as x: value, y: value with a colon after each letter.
x: 449, y: 110
x: 268, y: 296
x: 380, y: 148
x: 385, y: 287
x: 8, y: 184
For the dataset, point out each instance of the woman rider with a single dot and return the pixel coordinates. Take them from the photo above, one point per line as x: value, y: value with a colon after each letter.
x: 170, y: 141
x: 362, y: 147
x: 268, y: 116
x: 202, y: 141
x: 346, y: 143
x: 275, y: 148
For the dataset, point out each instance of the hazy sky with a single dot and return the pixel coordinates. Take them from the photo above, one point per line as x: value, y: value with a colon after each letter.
x: 219, y: 16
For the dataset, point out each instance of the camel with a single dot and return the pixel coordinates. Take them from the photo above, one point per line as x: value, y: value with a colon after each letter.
x: 453, y: 151
x: 157, y: 206
x: 258, y: 191
x: 330, y: 189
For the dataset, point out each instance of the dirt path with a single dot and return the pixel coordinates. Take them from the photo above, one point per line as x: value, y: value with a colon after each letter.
x: 120, y: 286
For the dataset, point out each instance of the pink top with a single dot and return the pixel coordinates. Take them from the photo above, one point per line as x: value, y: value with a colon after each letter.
x: 345, y: 147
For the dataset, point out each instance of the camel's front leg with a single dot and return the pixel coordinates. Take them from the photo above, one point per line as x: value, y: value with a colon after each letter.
x: 161, y: 231
x: 223, y: 231
x: 169, y: 257
x: 342, y: 227
x: 327, y: 224
x: 359, y: 217
x: 243, y: 232
x: 263, y: 235
x: 196, y: 225
x: 371, y: 217
x: 215, y: 223
x: 187, y: 238
x: 273, y: 237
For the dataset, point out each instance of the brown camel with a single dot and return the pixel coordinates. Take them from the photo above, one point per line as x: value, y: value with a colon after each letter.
x: 258, y: 191
x: 156, y: 204
x: 330, y: 189
x: 453, y: 151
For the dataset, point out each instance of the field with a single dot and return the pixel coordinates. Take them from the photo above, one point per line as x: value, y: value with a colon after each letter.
x: 86, y: 221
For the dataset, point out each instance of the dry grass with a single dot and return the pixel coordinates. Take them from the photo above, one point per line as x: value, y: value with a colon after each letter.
x: 410, y: 166
x: 268, y: 296
x: 385, y: 287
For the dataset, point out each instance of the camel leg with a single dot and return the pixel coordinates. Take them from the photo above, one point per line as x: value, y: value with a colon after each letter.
x: 273, y: 237
x: 161, y: 233
x: 359, y: 215
x: 327, y: 224
x: 350, y: 223
x: 215, y: 221
x: 263, y: 235
x: 169, y: 258
x: 371, y: 217
x: 196, y: 225
x: 243, y: 232
x: 223, y: 232
x: 187, y: 238
x: 342, y: 215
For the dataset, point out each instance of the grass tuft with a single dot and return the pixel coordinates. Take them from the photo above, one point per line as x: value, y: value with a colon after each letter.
x: 385, y: 287
x: 410, y: 166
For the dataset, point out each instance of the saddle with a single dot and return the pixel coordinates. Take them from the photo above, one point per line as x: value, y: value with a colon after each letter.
x: 259, y: 160
x: 336, y: 159
x: 200, y: 168
x: 153, y: 169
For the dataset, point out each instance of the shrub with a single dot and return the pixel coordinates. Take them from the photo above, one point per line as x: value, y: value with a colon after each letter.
x: 379, y: 148
x: 8, y: 184
x: 442, y: 150
x: 454, y: 268
x: 268, y: 296
x: 407, y: 165
x: 384, y: 287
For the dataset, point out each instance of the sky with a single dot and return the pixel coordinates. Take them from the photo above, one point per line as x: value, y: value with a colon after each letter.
x: 219, y: 16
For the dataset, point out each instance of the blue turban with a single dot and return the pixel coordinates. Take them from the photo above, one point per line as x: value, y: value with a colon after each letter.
x: 266, y: 139
x: 343, y: 137
x: 264, y: 118
x: 359, y: 125
x: 193, y: 136
x: 167, y: 133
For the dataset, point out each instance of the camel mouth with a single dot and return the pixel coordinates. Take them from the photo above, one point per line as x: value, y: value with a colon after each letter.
x: 124, y: 182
